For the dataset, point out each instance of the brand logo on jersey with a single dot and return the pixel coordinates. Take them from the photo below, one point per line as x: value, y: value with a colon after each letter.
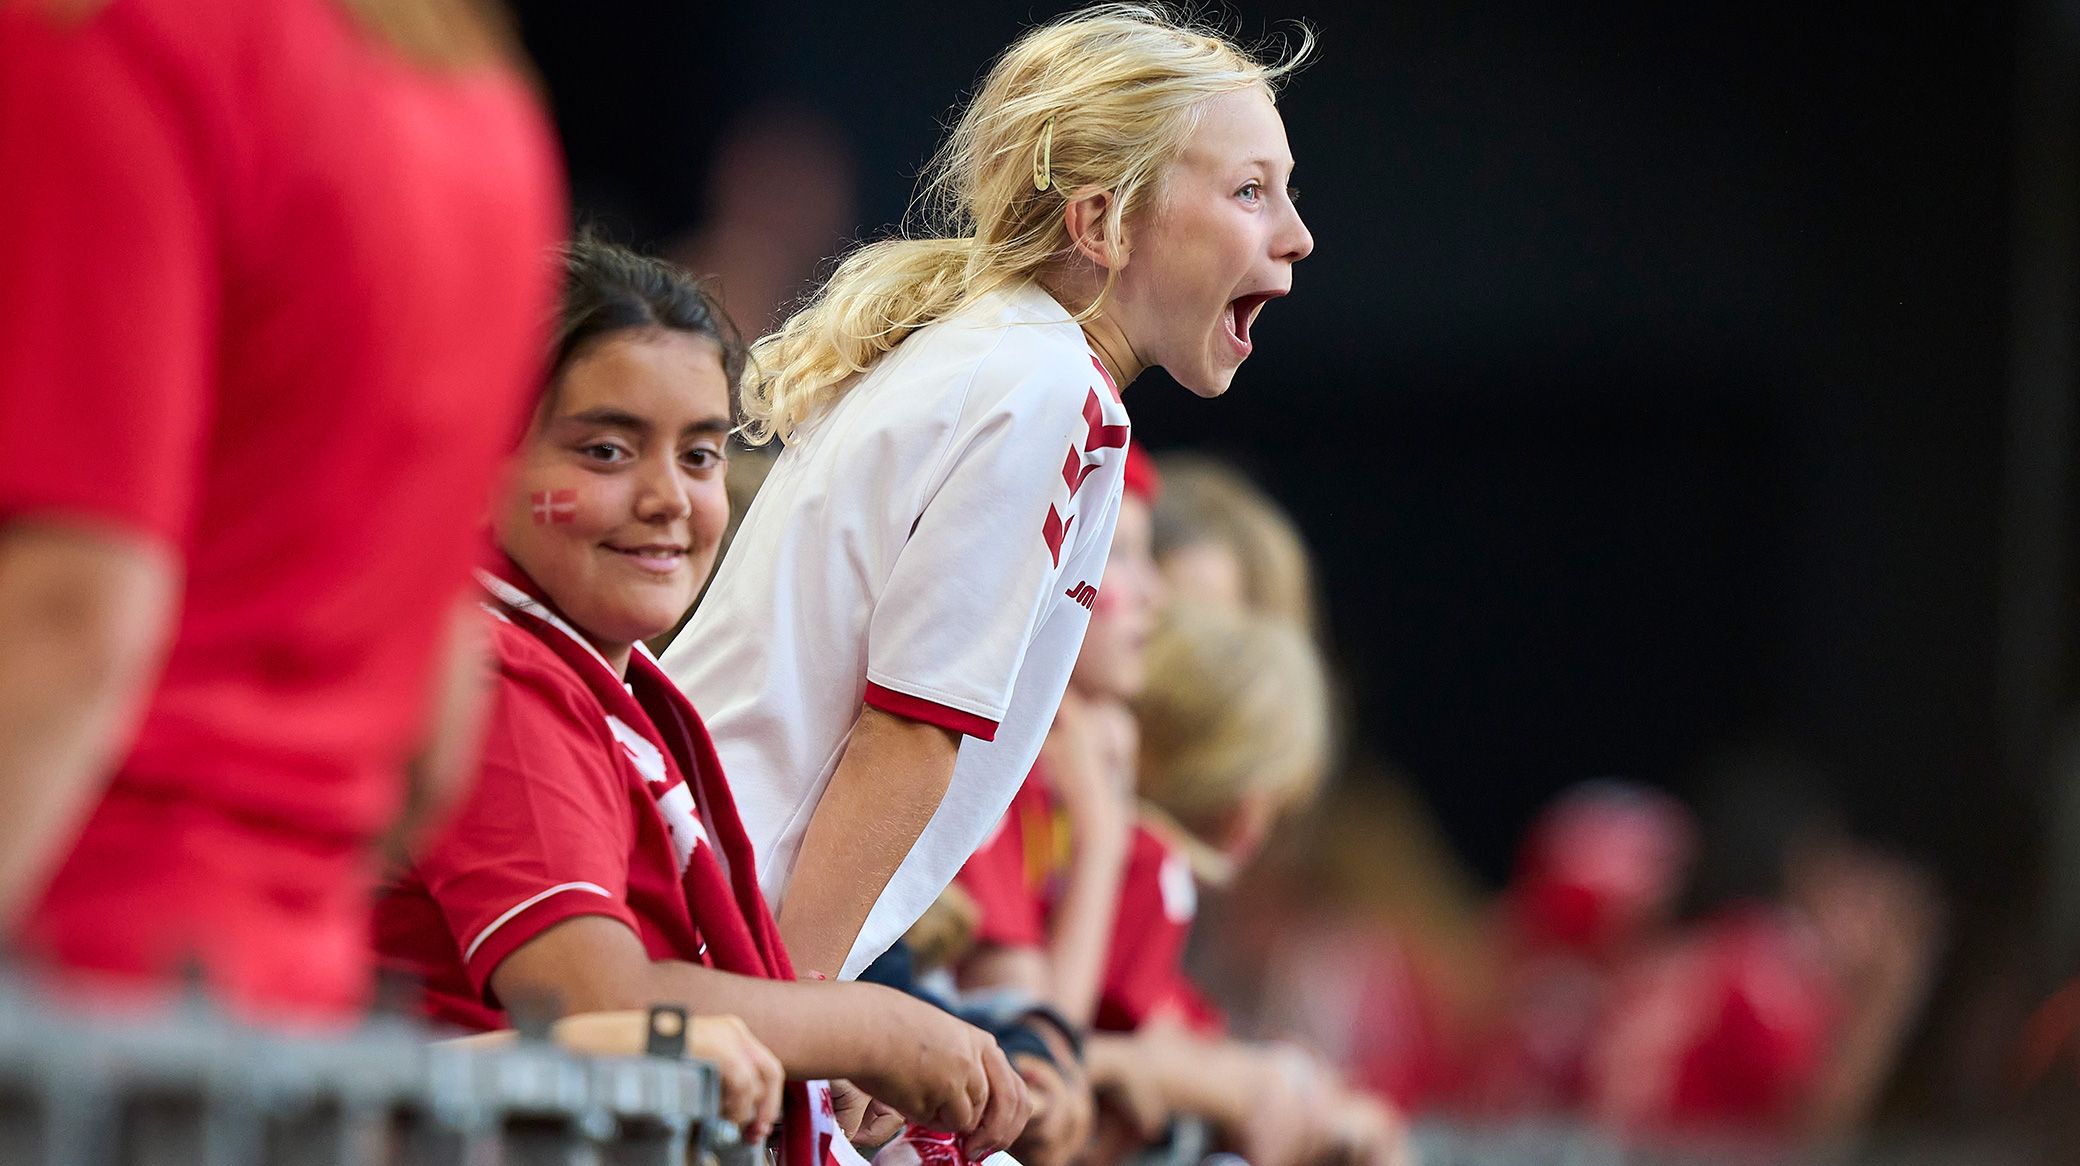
x: 1083, y: 593
x: 1082, y: 459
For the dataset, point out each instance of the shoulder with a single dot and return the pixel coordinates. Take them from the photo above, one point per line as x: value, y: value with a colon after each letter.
x: 535, y: 685
x: 1013, y: 351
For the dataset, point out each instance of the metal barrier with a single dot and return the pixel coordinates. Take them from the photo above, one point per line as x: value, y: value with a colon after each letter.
x: 190, y: 1087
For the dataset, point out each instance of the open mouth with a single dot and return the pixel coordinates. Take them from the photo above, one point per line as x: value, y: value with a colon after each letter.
x: 1242, y: 312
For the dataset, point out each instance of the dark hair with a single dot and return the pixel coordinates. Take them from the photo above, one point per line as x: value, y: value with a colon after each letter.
x: 608, y: 290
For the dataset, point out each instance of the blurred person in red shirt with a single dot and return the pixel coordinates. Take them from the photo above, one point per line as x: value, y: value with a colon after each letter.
x: 1046, y: 883
x: 1234, y: 725
x: 1598, y: 879
x: 271, y: 301
x: 1775, y: 1013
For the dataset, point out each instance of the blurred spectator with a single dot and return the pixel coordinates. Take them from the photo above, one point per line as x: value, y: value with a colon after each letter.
x: 1776, y: 1012
x: 1046, y: 881
x: 1220, y: 539
x: 1234, y: 736
x: 1361, y: 936
x: 781, y: 196
x: 1598, y: 877
x: 270, y: 307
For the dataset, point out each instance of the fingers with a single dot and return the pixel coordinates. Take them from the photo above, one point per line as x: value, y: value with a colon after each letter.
x: 880, y: 1124
x: 849, y: 1104
x: 772, y: 1082
x: 1005, y: 1109
x: 751, y: 1076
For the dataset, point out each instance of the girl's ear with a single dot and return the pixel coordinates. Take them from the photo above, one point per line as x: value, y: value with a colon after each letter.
x: 1084, y: 218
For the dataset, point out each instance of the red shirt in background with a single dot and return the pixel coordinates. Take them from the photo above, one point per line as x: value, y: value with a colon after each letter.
x: 1726, y: 1030
x: 1144, y: 970
x: 1017, y: 876
x: 275, y: 298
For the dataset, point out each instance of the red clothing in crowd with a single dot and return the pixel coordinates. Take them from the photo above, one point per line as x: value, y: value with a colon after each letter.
x: 273, y: 298
x: 594, y: 797
x: 1017, y: 877
x: 1728, y: 1029
x: 1144, y: 969
x: 1016, y: 882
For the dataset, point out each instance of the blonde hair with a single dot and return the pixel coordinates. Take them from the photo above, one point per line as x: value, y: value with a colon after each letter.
x: 1208, y: 501
x: 1237, y: 703
x: 1100, y: 100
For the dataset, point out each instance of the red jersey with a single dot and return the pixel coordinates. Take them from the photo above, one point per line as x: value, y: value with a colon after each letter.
x: 582, y: 806
x: 274, y: 298
x: 1144, y: 969
x: 598, y: 794
x: 1016, y: 878
x: 1727, y: 1030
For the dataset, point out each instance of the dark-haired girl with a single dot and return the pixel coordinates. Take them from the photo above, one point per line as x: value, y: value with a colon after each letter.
x: 599, y: 859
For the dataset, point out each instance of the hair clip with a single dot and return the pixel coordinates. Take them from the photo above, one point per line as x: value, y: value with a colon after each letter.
x: 1043, y: 158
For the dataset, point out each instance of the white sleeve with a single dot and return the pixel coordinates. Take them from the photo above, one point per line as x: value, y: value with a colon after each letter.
x: 970, y: 584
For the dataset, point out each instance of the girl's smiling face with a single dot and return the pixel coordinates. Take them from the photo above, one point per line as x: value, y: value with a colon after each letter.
x: 616, y: 504
x: 1217, y: 244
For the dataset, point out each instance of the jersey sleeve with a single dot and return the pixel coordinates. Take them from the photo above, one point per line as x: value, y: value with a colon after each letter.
x: 951, y: 628
x: 543, y: 836
x: 108, y: 276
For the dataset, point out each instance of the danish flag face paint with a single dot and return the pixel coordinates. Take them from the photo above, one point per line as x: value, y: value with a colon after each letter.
x: 556, y: 507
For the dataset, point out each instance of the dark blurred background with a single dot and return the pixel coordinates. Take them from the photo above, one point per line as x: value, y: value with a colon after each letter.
x: 1667, y: 380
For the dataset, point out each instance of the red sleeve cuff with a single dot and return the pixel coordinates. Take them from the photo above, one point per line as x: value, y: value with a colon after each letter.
x: 917, y: 708
x: 513, y: 930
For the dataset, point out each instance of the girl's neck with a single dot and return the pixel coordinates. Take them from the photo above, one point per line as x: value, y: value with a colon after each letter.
x: 1104, y: 335
x: 1113, y: 349
x: 616, y: 655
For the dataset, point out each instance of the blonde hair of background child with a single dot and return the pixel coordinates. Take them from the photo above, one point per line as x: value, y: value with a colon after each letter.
x: 1208, y: 501
x: 1100, y: 100
x: 1236, y: 704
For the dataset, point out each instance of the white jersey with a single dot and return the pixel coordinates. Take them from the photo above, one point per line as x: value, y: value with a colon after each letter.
x: 931, y: 546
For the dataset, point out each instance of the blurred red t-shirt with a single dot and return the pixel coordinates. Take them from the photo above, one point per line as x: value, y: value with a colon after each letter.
x: 275, y: 298
x: 1016, y: 877
x: 1727, y: 1030
x: 1144, y: 969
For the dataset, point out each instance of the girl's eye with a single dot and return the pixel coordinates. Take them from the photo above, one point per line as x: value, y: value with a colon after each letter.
x: 702, y: 458
x: 1251, y: 191
x: 605, y: 452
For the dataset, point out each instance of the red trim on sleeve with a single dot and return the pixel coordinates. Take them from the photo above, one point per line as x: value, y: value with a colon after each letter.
x: 515, y: 933
x: 917, y: 708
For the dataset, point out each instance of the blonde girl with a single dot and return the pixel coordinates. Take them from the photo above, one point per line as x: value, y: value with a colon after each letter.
x: 884, y: 648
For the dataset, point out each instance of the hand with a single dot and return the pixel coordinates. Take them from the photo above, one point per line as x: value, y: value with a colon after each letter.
x: 1370, y: 1132
x: 864, y: 1121
x: 1286, y: 1111
x: 1126, y: 1075
x: 751, y: 1074
x: 1063, y: 1111
x: 940, y: 1071
x: 1880, y: 920
x: 1089, y: 757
